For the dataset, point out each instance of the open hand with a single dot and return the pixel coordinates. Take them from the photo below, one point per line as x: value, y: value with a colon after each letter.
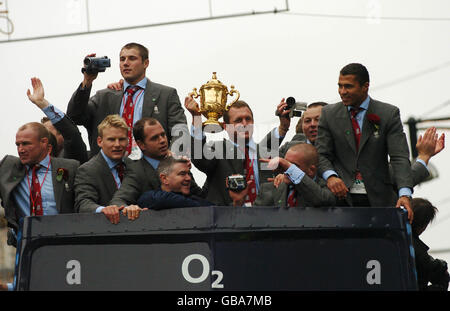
x: 37, y: 97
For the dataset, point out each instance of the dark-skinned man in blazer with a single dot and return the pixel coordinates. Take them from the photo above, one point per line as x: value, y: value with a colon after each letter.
x: 357, y: 139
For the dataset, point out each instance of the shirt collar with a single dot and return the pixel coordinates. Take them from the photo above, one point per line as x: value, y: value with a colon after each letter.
x: 111, y: 163
x: 142, y: 84
x: 364, y: 105
x: 153, y: 162
x: 43, y: 163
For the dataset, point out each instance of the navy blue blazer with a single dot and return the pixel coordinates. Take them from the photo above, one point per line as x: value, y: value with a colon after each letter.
x: 159, y: 199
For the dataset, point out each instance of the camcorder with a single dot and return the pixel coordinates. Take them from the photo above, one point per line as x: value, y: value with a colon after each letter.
x: 236, y: 183
x: 296, y: 107
x: 93, y: 65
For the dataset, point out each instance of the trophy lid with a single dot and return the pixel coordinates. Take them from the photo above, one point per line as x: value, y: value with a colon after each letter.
x: 214, y: 83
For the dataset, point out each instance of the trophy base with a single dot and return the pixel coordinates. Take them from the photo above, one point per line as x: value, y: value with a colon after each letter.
x: 212, y: 126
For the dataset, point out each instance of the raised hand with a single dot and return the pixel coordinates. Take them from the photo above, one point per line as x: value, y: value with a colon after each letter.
x: 285, y: 121
x: 37, y: 97
x: 430, y: 144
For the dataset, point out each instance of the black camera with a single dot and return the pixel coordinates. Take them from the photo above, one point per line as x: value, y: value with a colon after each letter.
x: 290, y: 102
x: 296, y: 108
x: 95, y: 65
x: 236, y: 183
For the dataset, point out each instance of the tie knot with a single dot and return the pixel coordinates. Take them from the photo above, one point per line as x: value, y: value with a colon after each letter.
x: 119, y: 166
x: 355, y: 110
x: 132, y: 89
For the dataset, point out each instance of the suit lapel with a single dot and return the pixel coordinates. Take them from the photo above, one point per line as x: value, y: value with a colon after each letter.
x: 260, y: 164
x: 58, y: 186
x: 280, y: 195
x: 150, y: 174
x: 237, y: 160
x: 344, y: 124
x: 151, y: 96
x: 367, y: 129
x: 103, y: 170
x: 116, y: 103
x: 17, y: 175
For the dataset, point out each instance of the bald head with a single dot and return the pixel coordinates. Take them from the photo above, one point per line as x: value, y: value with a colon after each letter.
x: 32, y: 143
x: 304, y: 156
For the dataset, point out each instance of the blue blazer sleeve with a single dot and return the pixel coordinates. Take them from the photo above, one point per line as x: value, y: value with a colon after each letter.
x: 158, y: 199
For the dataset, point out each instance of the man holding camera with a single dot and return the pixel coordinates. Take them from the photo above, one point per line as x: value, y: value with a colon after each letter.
x: 138, y: 98
x: 307, y: 127
x: 237, y: 155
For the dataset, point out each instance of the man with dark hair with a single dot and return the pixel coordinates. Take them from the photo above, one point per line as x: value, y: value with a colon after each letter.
x: 237, y: 155
x: 35, y: 183
x: 429, y: 269
x: 355, y: 139
x: 99, y: 178
x: 69, y: 142
x: 306, y: 128
x: 138, y: 98
x: 142, y: 176
x: 314, y: 117
x: 175, y: 191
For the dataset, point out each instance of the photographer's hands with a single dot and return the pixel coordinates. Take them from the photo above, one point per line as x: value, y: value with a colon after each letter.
x: 88, y: 78
x: 285, y: 121
x: 238, y: 197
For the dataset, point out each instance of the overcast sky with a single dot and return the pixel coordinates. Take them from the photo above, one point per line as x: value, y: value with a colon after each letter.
x: 404, y: 44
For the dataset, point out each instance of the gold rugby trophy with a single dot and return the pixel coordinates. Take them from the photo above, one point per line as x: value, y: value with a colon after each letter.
x: 213, y: 102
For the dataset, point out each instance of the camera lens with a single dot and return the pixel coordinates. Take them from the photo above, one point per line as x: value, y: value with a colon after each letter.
x: 290, y: 101
x: 87, y: 61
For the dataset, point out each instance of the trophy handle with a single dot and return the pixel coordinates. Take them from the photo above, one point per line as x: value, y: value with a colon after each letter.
x: 231, y: 92
x: 194, y: 94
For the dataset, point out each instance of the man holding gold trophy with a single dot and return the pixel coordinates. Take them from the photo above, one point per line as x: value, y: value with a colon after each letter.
x: 233, y: 163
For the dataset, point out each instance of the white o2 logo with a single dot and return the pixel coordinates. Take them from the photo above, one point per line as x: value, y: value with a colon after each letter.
x: 205, y: 272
